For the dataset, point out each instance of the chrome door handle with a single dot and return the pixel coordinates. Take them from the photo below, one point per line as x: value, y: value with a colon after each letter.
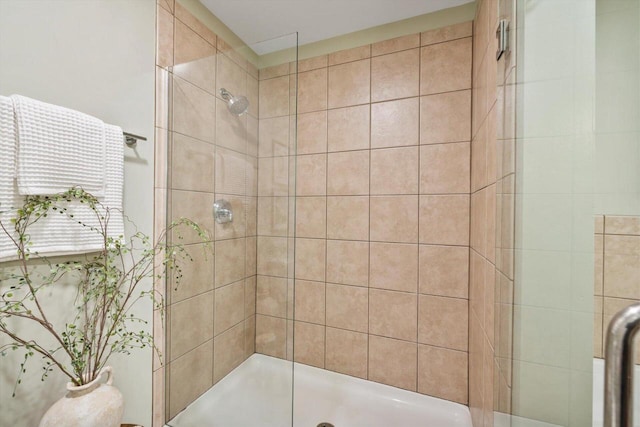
x: 619, y: 366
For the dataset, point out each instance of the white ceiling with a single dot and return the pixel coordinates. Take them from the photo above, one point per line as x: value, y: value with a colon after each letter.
x: 259, y: 20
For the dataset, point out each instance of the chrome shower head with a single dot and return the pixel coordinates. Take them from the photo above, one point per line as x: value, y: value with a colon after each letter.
x: 238, y: 105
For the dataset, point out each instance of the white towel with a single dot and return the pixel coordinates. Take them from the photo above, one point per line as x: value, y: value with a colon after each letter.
x: 58, y: 148
x: 57, y: 234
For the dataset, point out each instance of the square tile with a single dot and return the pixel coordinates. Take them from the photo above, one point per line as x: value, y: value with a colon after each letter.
x: 271, y: 296
x: 348, y: 262
x: 396, y: 44
x: 448, y: 33
x: 393, y: 314
x: 228, y: 351
x: 346, y: 352
x: 445, y: 117
x: 395, y: 123
x: 272, y: 256
x: 310, y: 259
x: 347, y: 307
x: 182, y: 316
x: 396, y: 75
x: 443, y: 322
x: 350, y: 55
x: 622, y: 266
x: 348, y: 173
x: 444, y: 220
x: 349, y: 84
x: 309, y: 345
x: 230, y: 261
x: 274, y: 97
x: 311, y: 217
x: 312, y: 91
x: 271, y: 336
x: 394, y: 219
x: 348, y: 128
x: 311, y: 175
x: 394, y: 266
x: 348, y: 217
x: 393, y: 362
x: 274, y: 137
x: 446, y: 66
x: 394, y: 171
x: 442, y: 373
x: 445, y: 168
x: 312, y: 133
x: 444, y: 271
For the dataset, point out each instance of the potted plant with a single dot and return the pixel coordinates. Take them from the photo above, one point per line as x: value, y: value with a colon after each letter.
x: 108, y: 283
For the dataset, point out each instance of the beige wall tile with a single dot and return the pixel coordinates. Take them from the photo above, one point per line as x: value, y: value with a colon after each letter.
x: 189, y: 46
x: 445, y: 117
x: 350, y: 55
x: 197, y: 275
x: 271, y: 336
x: 451, y: 32
x: 443, y: 322
x: 195, y: 206
x: 231, y: 168
x: 182, y: 318
x: 228, y: 351
x: 444, y: 270
x: 312, y: 63
x: 346, y: 352
x: 347, y: 307
x: 349, y: 84
x: 598, y: 224
x: 164, y: 38
x: 273, y: 176
x: 395, y: 123
x: 310, y: 302
x: 311, y: 217
x: 394, y: 171
x: 189, y: 377
x: 348, y: 217
x: 272, y: 256
x: 201, y: 72
x: 446, y: 66
x: 444, y: 220
x: 274, y: 97
x: 312, y: 133
x: 396, y: 75
x: 193, y: 111
x: 622, y: 225
x: 394, y: 219
x: 274, y: 137
x: 621, y: 266
x: 192, y: 164
x: 394, y: 266
x: 163, y: 79
x: 348, y: 173
x: 348, y: 128
x: 271, y: 296
x: 311, y: 175
x: 273, y: 216
x: 253, y: 96
x: 309, y: 345
x: 445, y: 168
x: 230, y: 261
x: 312, y: 91
x: 395, y: 45
x: 393, y: 362
x: 442, y: 373
x: 348, y: 262
x: 310, y: 259
x: 393, y: 314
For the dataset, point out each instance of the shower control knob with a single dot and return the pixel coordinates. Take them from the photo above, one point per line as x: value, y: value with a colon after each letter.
x: 222, y: 212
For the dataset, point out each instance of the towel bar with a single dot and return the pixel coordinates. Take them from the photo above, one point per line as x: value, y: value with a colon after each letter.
x: 131, y: 140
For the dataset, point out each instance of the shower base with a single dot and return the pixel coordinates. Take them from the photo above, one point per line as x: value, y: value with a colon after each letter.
x: 259, y: 392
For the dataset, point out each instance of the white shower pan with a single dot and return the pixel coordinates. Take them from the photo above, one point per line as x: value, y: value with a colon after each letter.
x: 258, y: 393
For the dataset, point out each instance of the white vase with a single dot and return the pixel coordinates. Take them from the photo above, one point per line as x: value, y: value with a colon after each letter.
x: 90, y: 405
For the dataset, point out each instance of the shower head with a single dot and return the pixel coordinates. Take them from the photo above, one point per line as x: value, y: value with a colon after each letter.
x: 238, y: 105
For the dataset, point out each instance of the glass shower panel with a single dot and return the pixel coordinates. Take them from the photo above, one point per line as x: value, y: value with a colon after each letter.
x: 577, y: 202
x: 554, y: 240
x: 229, y: 127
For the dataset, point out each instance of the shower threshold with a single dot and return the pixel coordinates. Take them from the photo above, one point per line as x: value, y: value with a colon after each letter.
x: 259, y: 392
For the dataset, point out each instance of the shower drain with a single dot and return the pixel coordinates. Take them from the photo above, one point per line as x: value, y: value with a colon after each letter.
x: 325, y: 425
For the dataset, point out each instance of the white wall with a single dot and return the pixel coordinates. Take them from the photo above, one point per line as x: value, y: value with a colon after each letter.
x: 96, y: 56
